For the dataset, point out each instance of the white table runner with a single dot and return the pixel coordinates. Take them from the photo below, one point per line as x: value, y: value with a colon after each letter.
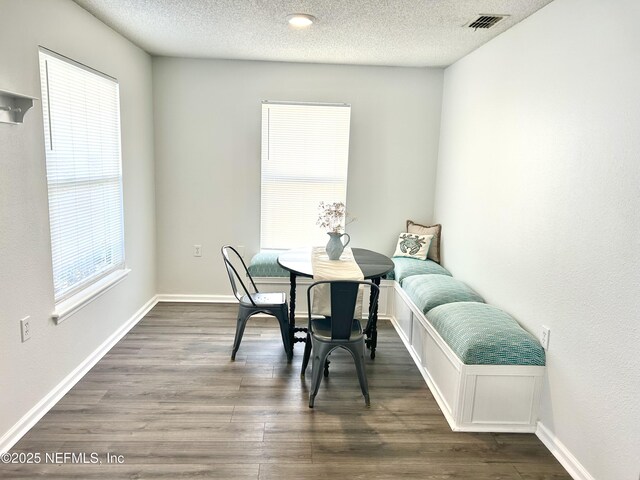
x: 346, y: 268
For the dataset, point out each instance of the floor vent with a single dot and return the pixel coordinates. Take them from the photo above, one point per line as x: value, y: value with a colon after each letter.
x: 485, y: 21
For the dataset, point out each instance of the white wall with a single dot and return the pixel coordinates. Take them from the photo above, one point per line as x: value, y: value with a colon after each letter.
x: 538, y: 189
x: 28, y: 371
x: 207, y: 120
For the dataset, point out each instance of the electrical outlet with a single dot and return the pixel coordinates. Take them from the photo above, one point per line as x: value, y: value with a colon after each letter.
x: 197, y: 250
x: 25, y: 329
x: 544, y: 337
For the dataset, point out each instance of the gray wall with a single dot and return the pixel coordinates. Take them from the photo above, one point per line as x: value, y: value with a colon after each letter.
x: 207, y: 133
x: 538, y: 190
x: 30, y: 370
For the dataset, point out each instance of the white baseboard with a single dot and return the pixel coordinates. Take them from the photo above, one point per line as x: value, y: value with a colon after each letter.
x: 15, y: 433
x: 562, y: 454
x: 168, y: 297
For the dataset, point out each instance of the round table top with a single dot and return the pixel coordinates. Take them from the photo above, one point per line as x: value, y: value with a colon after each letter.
x: 372, y: 264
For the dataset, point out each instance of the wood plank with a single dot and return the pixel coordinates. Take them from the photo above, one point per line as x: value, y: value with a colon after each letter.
x: 150, y: 430
x: 241, y: 471
x: 372, y: 470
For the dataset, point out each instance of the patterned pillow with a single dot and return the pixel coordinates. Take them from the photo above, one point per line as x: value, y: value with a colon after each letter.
x: 413, y: 246
x: 435, y: 230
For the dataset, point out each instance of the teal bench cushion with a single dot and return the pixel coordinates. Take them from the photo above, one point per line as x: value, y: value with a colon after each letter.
x: 265, y: 264
x: 406, y: 267
x: 429, y: 291
x: 482, y: 334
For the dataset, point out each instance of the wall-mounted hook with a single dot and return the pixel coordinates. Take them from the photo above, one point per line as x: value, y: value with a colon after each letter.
x: 14, y: 106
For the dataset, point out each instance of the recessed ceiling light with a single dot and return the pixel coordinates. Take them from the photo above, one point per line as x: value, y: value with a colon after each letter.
x: 300, y: 20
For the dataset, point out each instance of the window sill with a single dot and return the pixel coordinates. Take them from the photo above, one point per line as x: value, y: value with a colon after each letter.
x: 71, y: 305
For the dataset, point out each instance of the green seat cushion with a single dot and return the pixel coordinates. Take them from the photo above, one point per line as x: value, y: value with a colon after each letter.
x: 482, y: 334
x: 265, y: 264
x: 429, y: 291
x: 405, y: 267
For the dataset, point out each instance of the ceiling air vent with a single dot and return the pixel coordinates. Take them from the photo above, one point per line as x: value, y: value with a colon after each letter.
x: 485, y: 21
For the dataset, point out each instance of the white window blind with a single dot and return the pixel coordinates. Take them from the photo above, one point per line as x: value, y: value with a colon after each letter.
x: 305, y: 154
x: 81, y: 110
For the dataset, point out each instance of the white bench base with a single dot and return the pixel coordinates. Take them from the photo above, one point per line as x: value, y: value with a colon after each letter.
x: 473, y: 398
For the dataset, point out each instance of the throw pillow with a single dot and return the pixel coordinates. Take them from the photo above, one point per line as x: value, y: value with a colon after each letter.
x: 435, y: 230
x: 413, y: 246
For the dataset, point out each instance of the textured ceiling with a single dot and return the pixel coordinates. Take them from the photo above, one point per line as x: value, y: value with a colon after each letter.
x: 364, y: 32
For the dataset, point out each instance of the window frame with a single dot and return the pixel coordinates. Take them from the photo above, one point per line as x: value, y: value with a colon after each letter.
x: 89, y: 185
x: 333, y: 178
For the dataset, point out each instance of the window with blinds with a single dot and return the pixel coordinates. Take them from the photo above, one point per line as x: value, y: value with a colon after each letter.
x: 81, y: 110
x: 305, y: 155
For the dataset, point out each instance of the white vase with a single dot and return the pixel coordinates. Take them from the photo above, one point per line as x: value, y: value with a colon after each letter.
x: 335, y: 247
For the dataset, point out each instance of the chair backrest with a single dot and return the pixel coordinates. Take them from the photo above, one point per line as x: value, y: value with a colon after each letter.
x: 344, y: 297
x: 230, y: 256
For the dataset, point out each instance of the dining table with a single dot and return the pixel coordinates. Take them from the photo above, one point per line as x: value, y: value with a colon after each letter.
x: 373, y: 265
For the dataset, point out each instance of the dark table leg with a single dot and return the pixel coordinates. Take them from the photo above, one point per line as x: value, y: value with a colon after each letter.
x: 292, y: 314
x: 292, y: 308
x: 372, y: 326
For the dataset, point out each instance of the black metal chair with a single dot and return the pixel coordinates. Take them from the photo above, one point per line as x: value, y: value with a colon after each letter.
x: 340, y: 330
x: 254, y: 302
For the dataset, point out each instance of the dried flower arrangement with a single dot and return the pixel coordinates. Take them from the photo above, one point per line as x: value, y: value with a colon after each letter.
x: 333, y: 217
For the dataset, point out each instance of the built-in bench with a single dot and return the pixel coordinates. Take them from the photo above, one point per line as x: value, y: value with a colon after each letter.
x: 484, y: 370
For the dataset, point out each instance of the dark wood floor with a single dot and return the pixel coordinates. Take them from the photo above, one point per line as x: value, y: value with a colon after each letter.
x: 172, y: 403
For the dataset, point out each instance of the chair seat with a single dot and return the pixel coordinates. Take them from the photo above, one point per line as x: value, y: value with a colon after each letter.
x: 265, y: 299
x: 321, y: 327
